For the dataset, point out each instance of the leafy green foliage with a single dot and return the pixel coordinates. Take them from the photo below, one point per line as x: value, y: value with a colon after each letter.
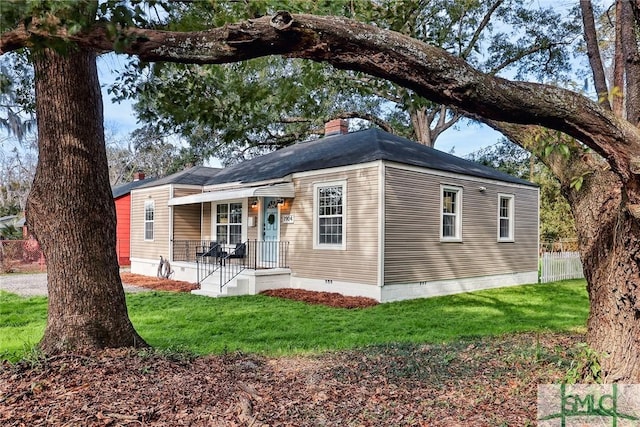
x: 586, y: 367
x: 10, y: 232
x: 556, y: 219
x: 241, y: 110
x: 505, y: 156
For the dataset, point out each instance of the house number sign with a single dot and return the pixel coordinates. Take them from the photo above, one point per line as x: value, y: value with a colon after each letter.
x: 287, y: 219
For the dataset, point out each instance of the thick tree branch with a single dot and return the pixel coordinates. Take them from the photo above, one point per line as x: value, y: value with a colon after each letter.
x: 565, y: 168
x: 382, y: 124
x: 347, y: 44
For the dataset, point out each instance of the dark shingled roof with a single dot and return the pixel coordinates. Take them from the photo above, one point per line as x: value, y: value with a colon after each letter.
x: 196, y: 175
x: 353, y: 148
x: 121, y: 190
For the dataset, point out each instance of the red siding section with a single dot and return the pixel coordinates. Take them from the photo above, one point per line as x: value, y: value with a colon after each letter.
x: 123, y: 229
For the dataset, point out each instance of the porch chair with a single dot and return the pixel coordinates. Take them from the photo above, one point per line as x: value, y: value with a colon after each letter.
x: 239, y: 252
x: 214, y: 250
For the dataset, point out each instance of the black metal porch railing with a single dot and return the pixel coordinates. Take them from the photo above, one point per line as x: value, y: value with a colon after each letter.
x: 188, y: 250
x: 231, y: 261
x: 253, y: 254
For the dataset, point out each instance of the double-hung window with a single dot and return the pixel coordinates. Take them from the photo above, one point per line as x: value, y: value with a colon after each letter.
x: 229, y: 223
x: 149, y: 214
x: 505, y: 218
x: 451, y: 213
x: 329, y: 203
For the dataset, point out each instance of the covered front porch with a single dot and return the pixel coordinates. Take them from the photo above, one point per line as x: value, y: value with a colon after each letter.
x: 249, y: 268
x: 219, y: 238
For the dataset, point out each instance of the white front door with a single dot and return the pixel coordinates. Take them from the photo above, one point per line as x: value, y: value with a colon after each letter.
x: 271, y: 220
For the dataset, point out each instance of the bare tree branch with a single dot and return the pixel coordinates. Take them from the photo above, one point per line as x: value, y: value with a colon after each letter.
x: 483, y: 24
x: 593, y: 53
x: 632, y: 61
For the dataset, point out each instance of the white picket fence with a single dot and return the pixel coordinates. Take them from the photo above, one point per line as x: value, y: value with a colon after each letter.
x: 560, y: 266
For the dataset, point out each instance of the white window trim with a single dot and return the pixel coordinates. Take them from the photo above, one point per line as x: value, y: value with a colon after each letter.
x: 324, y: 246
x: 214, y: 219
x: 512, y: 208
x: 458, y: 214
x: 151, y: 203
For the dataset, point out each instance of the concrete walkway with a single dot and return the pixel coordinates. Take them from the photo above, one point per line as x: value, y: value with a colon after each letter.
x: 27, y: 285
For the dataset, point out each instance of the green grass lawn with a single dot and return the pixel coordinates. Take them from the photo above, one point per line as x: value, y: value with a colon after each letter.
x: 271, y: 326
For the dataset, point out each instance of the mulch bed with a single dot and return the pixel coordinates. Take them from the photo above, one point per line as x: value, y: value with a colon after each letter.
x: 467, y: 383
x: 331, y: 299
x: 156, y: 283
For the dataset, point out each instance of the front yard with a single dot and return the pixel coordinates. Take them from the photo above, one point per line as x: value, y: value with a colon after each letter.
x: 471, y: 360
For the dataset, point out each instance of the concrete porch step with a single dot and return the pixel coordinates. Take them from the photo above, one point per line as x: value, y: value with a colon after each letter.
x: 211, y: 288
x: 207, y: 293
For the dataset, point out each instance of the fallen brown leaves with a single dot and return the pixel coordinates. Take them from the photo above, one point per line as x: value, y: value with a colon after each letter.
x: 468, y: 383
x: 331, y: 299
x: 157, y: 283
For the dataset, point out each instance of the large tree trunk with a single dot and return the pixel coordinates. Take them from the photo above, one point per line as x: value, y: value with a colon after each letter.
x: 71, y: 210
x: 610, y: 249
x: 609, y: 238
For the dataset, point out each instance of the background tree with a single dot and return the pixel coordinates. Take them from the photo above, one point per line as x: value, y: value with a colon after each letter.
x: 17, y: 169
x: 17, y: 122
x: 249, y: 108
x: 145, y: 150
x: 601, y: 182
x: 16, y: 96
x: 556, y: 219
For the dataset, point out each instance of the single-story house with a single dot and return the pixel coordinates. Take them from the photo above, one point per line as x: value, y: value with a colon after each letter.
x: 122, y: 199
x: 366, y: 213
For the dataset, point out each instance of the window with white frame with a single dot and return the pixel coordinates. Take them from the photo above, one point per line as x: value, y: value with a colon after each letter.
x: 451, y: 204
x: 329, y: 218
x: 149, y: 214
x: 505, y: 217
x: 229, y: 223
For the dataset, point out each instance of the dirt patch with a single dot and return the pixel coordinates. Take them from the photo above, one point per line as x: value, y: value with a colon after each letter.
x: 468, y: 383
x: 157, y: 283
x: 331, y: 299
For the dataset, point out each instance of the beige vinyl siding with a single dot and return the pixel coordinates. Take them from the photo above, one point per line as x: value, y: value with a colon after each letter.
x: 358, y: 263
x: 186, y: 222
x: 206, y: 221
x: 252, y: 232
x: 186, y: 218
x: 413, y: 250
x: 159, y: 246
x: 180, y: 192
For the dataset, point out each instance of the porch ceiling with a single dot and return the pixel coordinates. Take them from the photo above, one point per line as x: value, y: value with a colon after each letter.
x: 275, y: 190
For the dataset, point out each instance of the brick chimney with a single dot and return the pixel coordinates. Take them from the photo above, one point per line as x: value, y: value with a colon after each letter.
x: 138, y: 176
x: 336, y: 127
